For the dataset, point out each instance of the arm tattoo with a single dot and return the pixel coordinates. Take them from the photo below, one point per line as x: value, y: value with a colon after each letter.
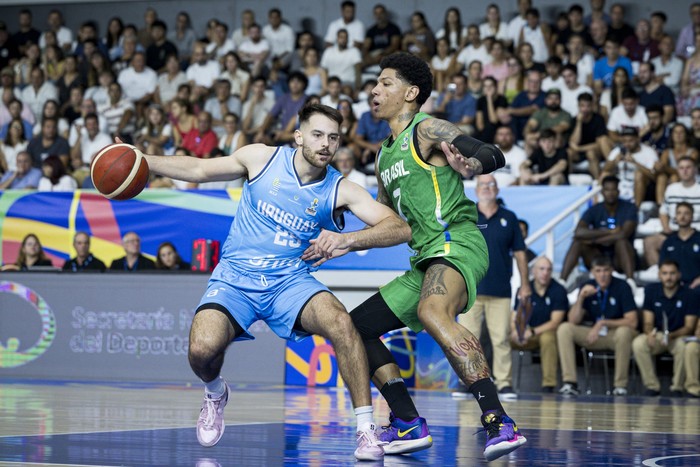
x: 434, y: 282
x: 433, y: 131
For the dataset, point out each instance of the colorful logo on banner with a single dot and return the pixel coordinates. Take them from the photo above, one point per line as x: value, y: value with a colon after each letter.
x: 433, y: 370
x: 312, y: 362
x: 11, y: 355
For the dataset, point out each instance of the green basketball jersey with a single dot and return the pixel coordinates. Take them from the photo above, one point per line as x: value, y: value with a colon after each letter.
x: 431, y: 199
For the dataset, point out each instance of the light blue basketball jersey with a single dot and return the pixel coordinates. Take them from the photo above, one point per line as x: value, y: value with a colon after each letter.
x: 277, y: 216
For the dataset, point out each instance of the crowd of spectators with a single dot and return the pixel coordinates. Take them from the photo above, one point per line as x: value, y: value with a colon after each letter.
x: 588, y: 99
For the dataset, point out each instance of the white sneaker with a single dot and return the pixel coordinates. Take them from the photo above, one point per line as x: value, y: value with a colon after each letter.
x: 368, y: 445
x: 210, y: 425
x: 619, y: 392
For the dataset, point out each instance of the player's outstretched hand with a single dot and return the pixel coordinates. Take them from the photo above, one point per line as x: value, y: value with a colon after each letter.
x: 327, y: 245
x: 465, y: 166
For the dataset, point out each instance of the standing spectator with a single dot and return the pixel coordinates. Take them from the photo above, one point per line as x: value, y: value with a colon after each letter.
x: 686, y: 45
x: 640, y: 47
x: 655, y: 93
x: 64, y: 36
x: 505, y: 242
x: 491, y: 111
x: 382, y: 39
x: 669, y: 316
x: 669, y: 68
x: 84, y: 261
x: 220, y: 104
x: 589, y: 136
x: 38, y: 92
x: 24, y: 177
x: 55, y: 177
x: 683, y: 246
x: 605, y: 229
x: 31, y: 254
x: 514, y: 154
x: 604, y: 317
x: 347, y: 21
x: 202, y: 141
x: 458, y: 105
x: 281, y: 37
x: 202, y: 72
x: 526, y: 103
x: 157, y: 53
x: 370, y: 133
x: 605, y: 66
x: 551, y: 117
x: 183, y: 37
x: 47, y: 143
x: 344, y: 61
x: 168, y: 258
x: 419, y: 40
x: 26, y: 33
x: 133, y: 260
x: 534, y: 324
x: 138, y: 84
x: 255, y: 51
x: 634, y: 163
x: 547, y: 165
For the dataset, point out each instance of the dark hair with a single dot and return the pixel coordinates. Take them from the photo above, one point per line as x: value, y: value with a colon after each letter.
x: 57, y: 168
x: 651, y: 66
x: 524, y: 222
x: 274, y: 10
x: 298, y: 75
x: 610, y: 179
x: 309, y: 110
x: 629, y: 93
x: 602, y: 261
x: 686, y: 204
x: 670, y: 262
x: 687, y: 140
x: 333, y: 79
x: 547, y: 134
x: 576, y: 7
x: 554, y: 60
x: 159, y: 23
x: 459, y: 25
x: 571, y: 67
x: 655, y: 108
x: 412, y: 70
x: 159, y: 263
x: 22, y: 137
x: 347, y: 3
x: 533, y: 11
x: 585, y: 96
x: 661, y: 15
x: 22, y: 257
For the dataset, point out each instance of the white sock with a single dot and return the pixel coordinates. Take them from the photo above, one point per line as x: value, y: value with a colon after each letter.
x: 365, y: 417
x: 215, y: 387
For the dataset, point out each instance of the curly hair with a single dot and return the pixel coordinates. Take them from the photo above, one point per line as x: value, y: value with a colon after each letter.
x: 412, y: 70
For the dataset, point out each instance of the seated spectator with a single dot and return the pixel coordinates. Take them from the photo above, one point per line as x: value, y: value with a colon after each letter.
x: 382, y: 39
x: 55, y: 177
x: 453, y: 29
x: 255, y: 51
x: 654, y: 93
x: 640, y: 47
x: 38, y: 92
x: 604, y: 317
x: 24, y: 177
x: 160, y: 48
x: 169, y: 81
x: 633, y: 163
x: 286, y: 109
x: 88, y: 143
x: 334, y: 95
x: 133, y: 260
x: 669, y: 317
x: 550, y: 117
x: 156, y: 137
x: 525, y: 54
x: 202, y: 72
x: 233, y: 138
x: 494, y: 26
x: 589, y: 136
x: 220, y: 104
x: 514, y: 154
x: 497, y: 64
x: 370, y: 133
x: 236, y: 75
x: 458, y: 105
x: 317, y: 75
x: 84, y: 261
x: 419, y: 40
x: 534, y: 324
x: 491, y: 111
x: 14, y: 143
x: 554, y: 78
x: 344, y: 61
x: 581, y: 59
x: 51, y: 109
x: 629, y: 114
x: 48, y: 143
x: 547, y: 165
x: 612, y: 96
x: 99, y: 93
x: 220, y: 43
x: 441, y: 64
x: 14, y: 109
x: 678, y: 148
x: 526, y: 103
x: 475, y: 50
x: 513, y: 84
x: 138, y: 83
x: 183, y: 37
x: 345, y: 163
x: 119, y: 114
x: 31, y: 254
x: 669, y: 68
x: 691, y: 360
x: 657, y: 134
x: 203, y: 140
x: 169, y: 259
x: 256, y: 108
x: 571, y: 89
x: 689, y: 97
x: 695, y: 128
x: 683, y: 246
x: 606, y: 228
x: 605, y: 66
x: 537, y: 34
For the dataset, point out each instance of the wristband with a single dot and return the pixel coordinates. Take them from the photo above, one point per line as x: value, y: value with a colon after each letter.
x: 490, y: 156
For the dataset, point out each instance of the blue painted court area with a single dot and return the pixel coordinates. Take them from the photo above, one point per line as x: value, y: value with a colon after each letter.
x: 273, y: 444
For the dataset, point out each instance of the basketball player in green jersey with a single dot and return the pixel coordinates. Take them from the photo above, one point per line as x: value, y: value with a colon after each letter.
x: 419, y: 171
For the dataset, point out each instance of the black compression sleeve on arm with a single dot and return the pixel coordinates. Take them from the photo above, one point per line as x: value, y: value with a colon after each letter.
x: 490, y: 156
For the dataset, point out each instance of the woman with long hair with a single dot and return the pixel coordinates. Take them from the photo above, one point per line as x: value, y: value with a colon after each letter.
x: 514, y: 82
x: 689, y: 97
x: 453, y: 30
x: 316, y: 74
x: 526, y: 54
x: 348, y: 126
x: 25, y: 65
x: 15, y: 142
x: 168, y: 259
x: 235, y: 73
x: 52, y: 62
x: 442, y: 64
x: 70, y: 78
x: 233, y: 138
x: 498, y: 67
x: 494, y: 27
x: 419, y: 40
x: 156, y: 136
x: 612, y: 97
x: 183, y: 119
x: 31, y: 254
x: 667, y: 165
x: 113, y: 38
x: 52, y: 110
x: 183, y: 36
x: 490, y: 111
x: 55, y: 177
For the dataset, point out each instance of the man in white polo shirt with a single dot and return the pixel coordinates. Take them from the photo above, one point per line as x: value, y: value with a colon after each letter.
x: 633, y: 163
x: 202, y: 72
x: 138, y: 82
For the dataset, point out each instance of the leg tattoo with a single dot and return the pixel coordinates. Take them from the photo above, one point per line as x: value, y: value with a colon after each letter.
x: 467, y: 358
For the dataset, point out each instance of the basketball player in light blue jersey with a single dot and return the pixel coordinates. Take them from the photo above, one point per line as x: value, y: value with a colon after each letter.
x: 289, y: 197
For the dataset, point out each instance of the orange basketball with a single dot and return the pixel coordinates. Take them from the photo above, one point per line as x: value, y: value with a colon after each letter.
x: 119, y: 171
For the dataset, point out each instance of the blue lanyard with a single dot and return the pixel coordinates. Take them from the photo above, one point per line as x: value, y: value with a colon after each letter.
x: 603, y: 301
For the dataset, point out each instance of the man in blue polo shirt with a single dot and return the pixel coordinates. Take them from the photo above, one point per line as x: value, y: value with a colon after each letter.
x: 534, y: 324
x: 370, y: 133
x: 458, y: 104
x: 606, y: 228
x: 669, y: 316
x: 683, y: 246
x: 604, y: 317
x: 606, y: 65
x: 504, y: 240
x: 25, y: 177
